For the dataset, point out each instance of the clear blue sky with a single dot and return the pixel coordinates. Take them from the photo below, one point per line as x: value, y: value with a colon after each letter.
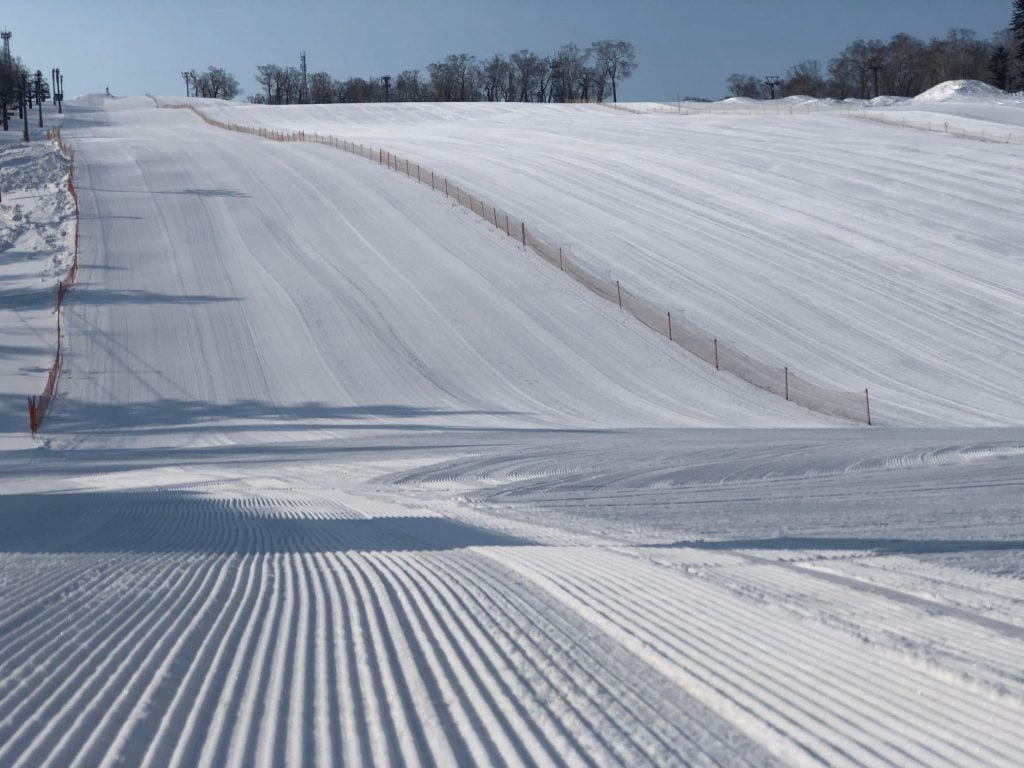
x: 687, y: 46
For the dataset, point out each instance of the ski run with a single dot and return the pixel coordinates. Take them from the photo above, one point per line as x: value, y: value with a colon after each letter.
x: 340, y: 473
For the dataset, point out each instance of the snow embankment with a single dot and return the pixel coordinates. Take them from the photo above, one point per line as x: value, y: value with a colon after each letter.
x: 36, y: 249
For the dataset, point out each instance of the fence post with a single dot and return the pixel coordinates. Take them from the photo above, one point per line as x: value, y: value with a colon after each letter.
x: 560, y: 265
x: 670, y: 326
x: 407, y: 167
x: 618, y: 290
x: 506, y: 226
x: 432, y: 180
x: 418, y: 178
x: 446, y: 186
x: 786, y: 369
x: 523, y: 224
x: 867, y: 402
x: 716, y: 356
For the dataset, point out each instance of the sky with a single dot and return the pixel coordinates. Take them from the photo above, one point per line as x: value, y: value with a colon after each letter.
x: 684, y: 47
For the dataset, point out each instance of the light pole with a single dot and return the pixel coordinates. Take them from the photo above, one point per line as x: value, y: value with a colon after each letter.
x: 39, y: 94
x: 386, y: 81
x: 60, y: 92
x: 772, y: 82
x: 24, y: 110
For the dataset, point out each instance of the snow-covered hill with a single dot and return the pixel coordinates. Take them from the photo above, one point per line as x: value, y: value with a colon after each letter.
x: 861, y: 254
x: 336, y: 475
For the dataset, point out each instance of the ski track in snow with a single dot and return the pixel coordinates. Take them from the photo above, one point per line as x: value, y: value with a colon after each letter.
x: 337, y: 475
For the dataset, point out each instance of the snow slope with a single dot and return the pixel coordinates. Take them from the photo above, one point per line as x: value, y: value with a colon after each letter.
x: 338, y: 476
x: 244, y: 286
x: 858, y: 253
x: 36, y: 245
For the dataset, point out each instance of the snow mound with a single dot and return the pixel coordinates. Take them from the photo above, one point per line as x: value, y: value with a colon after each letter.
x: 887, y: 101
x: 955, y: 89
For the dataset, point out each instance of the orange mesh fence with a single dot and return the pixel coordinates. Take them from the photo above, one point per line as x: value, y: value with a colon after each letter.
x: 777, y: 379
x: 38, y: 406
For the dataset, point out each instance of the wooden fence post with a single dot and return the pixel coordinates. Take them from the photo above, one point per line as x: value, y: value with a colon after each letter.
x: 523, y: 224
x: 506, y: 226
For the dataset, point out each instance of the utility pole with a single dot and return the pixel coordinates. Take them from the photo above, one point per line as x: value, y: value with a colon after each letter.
x: 772, y: 82
x: 875, y: 67
x: 304, y: 98
x: 185, y: 77
x: 24, y: 109
x: 60, y: 92
x: 39, y: 94
x: 53, y: 85
x: 386, y: 81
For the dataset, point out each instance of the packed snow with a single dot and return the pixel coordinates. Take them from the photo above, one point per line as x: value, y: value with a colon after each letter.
x: 338, y: 474
x: 862, y: 255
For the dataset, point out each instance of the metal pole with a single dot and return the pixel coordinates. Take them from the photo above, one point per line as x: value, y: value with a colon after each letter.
x: 39, y: 95
x: 787, y: 382
x: 867, y: 402
x: 24, y: 109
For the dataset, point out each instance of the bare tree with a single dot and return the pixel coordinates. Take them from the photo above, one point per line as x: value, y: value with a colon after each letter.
x: 495, y: 73
x: 618, y: 59
x: 804, y: 79
x: 267, y: 76
x: 408, y: 86
x: 321, y: 88
x: 216, y: 83
x: 744, y: 86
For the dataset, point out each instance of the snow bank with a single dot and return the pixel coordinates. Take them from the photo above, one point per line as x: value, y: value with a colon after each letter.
x: 958, y: 89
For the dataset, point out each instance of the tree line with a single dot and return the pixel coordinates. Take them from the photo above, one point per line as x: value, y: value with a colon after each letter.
x: 214, y: 83
x: 572, y: 73
x: 903, y: 66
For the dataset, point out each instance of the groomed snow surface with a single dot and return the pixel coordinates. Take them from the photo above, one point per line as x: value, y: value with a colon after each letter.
x: 338, y: 474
